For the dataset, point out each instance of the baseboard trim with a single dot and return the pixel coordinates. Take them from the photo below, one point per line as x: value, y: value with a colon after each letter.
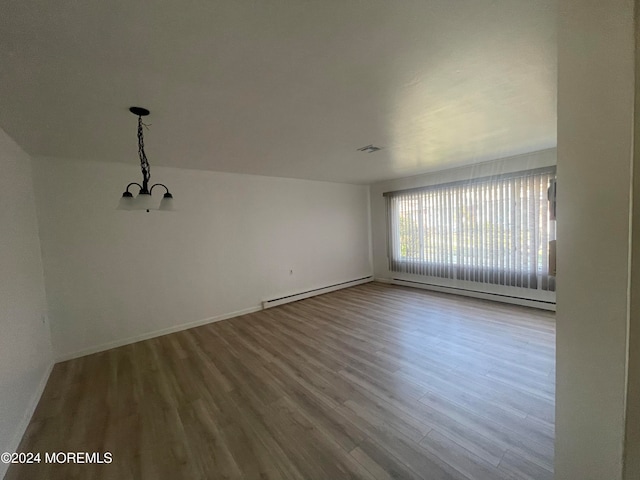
x: 312, y: 293
x: 26, y: 419
x: 542, y: 305
x: 156, y: 333
x: 382, y: 280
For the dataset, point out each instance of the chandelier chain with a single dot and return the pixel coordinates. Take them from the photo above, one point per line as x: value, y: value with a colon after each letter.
x: 144, y: 163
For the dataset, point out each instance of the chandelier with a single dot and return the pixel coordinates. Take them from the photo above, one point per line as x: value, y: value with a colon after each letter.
x: 144, y: 200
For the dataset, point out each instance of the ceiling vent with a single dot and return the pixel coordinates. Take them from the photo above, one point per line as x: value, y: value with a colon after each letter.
x: 369, y: 149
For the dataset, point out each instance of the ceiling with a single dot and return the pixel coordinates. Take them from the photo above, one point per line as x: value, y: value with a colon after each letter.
x: 281, y: 87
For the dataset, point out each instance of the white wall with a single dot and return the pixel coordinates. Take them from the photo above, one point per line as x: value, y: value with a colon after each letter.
x: 379, y: 223
x: 595, y: 142
x: 114, y: 275
x: 25, y: 347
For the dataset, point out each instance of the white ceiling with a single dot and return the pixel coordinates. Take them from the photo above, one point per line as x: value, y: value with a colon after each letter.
x: 281, y: 88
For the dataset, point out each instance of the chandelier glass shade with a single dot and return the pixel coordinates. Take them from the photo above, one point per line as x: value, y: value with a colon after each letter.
x: 144, y: 199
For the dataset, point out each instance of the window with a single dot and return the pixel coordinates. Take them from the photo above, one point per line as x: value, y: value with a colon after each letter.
x: 490, y: 230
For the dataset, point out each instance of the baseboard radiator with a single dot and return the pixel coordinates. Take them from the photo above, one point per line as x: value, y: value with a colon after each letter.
x: 527, y: 302
x: 274, y: 302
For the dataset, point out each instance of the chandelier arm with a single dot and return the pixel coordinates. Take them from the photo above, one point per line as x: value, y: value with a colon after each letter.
x: 134, y: 183
x: 144, y: 163
x: 158, y: 185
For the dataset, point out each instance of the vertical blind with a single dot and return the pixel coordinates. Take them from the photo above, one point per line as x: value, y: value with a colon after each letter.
x: 490, y: 230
